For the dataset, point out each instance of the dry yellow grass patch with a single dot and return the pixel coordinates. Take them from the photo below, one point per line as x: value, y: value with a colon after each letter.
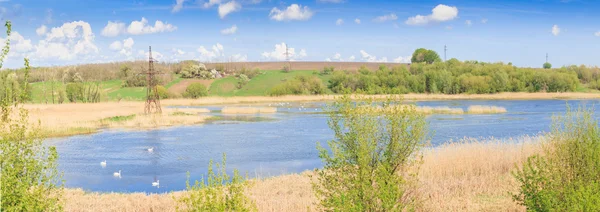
x: 248, y: 110
x: 483, y: 109
x: 70, y: 119
x: 439, y: 110
x: 470, y: 175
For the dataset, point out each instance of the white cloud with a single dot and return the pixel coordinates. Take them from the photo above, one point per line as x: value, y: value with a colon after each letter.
x: 41, y: 30
x: 294, y: 12
x: 217, y: 51
x: 229, y: 31
x: 597, y: 34
x: 468, y: 22
x: 440, y: 13
x: 115, y: 46
x: 384, y: 18
x: 238, y: 58
x: 371, y: 58
x: 178, y: 6
x: 484, y: 21
x: 210, y: 3
x: 337, y: 56
x: 279, y: 53
x: 328, y: 59
x: 19, y: 46
x: 357, y: 21
x: 124, y: 48
x: 339, y: 21
x: 113, y: 29
x: 555, y: 30
x: 402, y: 59
x: 229, y: 7
x: 70, y: 41
x: 351, y: 58
x: 155, y: 55
x: 142, y: 27
x: 178, y: 51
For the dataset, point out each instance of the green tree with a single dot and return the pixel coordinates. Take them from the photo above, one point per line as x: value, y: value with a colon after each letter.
x: 369, y: 165
x: 547, y: 65
x: 424, y: 55
x: 195, y: 90
x: 29, y: 178
x: 242, y: 80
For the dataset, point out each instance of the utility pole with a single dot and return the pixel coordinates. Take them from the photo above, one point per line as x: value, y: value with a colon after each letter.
x: 287, y: 57
x: 445, y: 49
x: 152, y: 97
x: 546, y: 57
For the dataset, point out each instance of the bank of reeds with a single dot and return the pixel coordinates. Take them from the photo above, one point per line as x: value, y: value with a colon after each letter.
x: 248, y: 110
x: 468, y: 175
x: 484, y: 109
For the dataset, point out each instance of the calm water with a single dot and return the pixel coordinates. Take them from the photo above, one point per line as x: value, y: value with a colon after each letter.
x: 280, y: 143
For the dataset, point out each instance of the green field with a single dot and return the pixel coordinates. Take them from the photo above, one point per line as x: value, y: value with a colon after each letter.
x: 112, y: 90
x: 259, y: 85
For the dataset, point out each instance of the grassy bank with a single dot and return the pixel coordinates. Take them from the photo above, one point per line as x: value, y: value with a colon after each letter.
x: 471, y: 175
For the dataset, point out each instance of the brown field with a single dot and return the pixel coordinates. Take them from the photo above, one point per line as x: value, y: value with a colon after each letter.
x: 351, y: 66
x: 180, y: 87
x: 469, y: 175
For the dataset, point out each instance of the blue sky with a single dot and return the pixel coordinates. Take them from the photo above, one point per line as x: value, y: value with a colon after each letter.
x: 522, y: 32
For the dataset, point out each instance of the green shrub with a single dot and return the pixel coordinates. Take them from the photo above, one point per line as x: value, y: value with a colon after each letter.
x: 29, y: 178
x: 547, y: 65
x: 250, y: 73
x: 195, y: 90
x: 163, y: 93
x: 219, y: 192
x: 370, y: 164
x: 74, y: 91
x: 300, y: 85
x: 566, y: 176
x: 327, y: 70
x: 242, y: 81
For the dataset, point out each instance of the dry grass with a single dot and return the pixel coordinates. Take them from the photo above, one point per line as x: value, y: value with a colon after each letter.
x: 483, y: 109
x: 469, y: 175
x: 439, y: 110
x: 71, y: 119
x: 248, y: 110
x: 498, y: 96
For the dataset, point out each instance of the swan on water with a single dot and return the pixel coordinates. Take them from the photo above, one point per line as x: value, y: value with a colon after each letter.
x: 156, y: 184
x: 117, y: 174
x: 151, y: 149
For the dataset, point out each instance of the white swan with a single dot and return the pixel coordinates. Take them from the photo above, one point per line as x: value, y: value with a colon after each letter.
x: 117, y: 174
x: 151, y: 149
x: 103, y: 163
x: 156, y: 184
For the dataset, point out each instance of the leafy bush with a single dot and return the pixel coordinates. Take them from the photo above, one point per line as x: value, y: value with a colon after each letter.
x: 367, y: 167
x: 219, y: 192
x: 250, y: 73
x: 566, y: 176
x: 327, y: 70
x: 29, y: 178
x: 425, y: 55
x: 83, y: 92
x: 163, y: 93
x: 547, y: 65
x: 300, y: 85
x: 195, y: 90
x: 242, y: 81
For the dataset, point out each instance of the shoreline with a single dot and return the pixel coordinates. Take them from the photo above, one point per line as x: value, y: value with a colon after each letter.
x: 471, y: 175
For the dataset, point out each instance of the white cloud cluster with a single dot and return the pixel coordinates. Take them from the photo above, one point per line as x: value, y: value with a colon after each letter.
x: 597, y: 34
x: 18, y: 45
x: 372, y: 58
x: 178, y: 6
x: 440, y: 13
x: 141, y: 27
x: 124, y: 48
x: 294, y: 12
x: 217, y: 51
x: 67, y: 42
x: 41, y: 30
x: 338, y: 57
x: 279, y: 53
x: 229, y: 31
x: 211, y: 3
x: 555, y: 30
x: 144, y: 55
x: 402, y: 59
x: 229, y: 7
x: 238, y: 58
x: 339, y: 22
x: 384, y: 18
x: 357, y: 21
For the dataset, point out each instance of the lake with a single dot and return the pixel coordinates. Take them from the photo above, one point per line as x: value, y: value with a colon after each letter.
x: 261, y: 145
